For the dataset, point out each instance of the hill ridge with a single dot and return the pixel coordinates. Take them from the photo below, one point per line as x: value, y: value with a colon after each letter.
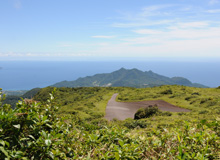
x: 127, y: 78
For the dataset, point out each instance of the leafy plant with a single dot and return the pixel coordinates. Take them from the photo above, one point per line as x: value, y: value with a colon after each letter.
x: 168, y: 91
x: 146, y: 112
x: 48, y: 130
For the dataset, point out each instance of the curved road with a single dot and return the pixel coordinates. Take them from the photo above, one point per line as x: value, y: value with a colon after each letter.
x: 123, y: 110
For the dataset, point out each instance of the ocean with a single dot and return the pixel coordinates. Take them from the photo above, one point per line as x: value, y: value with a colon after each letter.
x: 25, y: 75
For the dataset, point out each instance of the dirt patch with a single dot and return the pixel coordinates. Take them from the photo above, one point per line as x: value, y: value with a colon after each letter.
x: 123, y: 110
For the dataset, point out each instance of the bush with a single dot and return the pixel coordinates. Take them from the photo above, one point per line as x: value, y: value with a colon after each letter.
x: 189, y: 98
x: 131, y: 124
x: 151, y: 110
x: 168, y: 91
x: 181, y: 113
x: 29, y: 131
x: 99, y: 122
x: 196, y: 93
x: 146, y: 112
x: 203, y: 112
x: 167, y: 113
x: 203, y: 100
x: 140, y: 114
x: 37, y: 131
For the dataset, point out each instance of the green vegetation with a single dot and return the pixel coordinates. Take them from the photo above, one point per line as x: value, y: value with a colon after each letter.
x: 127, y: 78
x: 31, y: 93
x: 85, y: 103
x: 15, y: 93
x: 12, y: 100
x: 146, y: 112
x: 69, y: 124
x: 12, y: 97
x: 204, y: 103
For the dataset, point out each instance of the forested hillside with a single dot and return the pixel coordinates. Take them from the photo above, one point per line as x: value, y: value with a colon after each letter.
x: 127, y: 78
x: 12, y: 97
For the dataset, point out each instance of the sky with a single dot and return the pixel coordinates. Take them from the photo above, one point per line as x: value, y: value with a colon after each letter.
x: 101, y: 29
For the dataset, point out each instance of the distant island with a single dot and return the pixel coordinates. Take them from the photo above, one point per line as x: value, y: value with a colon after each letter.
x: 128, y: 78
x: 1, y: 68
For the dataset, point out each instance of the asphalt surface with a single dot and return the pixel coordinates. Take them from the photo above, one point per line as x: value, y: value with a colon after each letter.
x: 123, y: 110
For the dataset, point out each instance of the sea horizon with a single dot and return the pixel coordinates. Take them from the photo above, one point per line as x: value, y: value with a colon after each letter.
x: 25, y: 75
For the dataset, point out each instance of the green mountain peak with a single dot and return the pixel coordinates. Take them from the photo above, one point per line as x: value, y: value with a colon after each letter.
x: 129, y: 78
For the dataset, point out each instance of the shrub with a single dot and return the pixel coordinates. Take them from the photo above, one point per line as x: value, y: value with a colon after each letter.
x: 151, y: 110
x: 212, y: 103
x: 203, y: 100
x: 168, y: 91
x: 140, y: 114
x: 203, y: 112
x: 167, y: 113
x: 189, y: 98
x: 29, y: 131
x: 146, y: 112
x: 99, y: 122
x: 181, y: 113
x: 131, y: 124
x: 37, y: 131
x: 196, y: 93
x: 218, y: 111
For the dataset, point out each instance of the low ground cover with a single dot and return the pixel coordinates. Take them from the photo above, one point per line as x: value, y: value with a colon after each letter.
x: 68, y: 124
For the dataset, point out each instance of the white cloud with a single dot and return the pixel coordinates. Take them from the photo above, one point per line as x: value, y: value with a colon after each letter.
x: 150, y: 40
x: 148, y: 16
x: 169, y: 31
x: 142, y: 23
x: 147, y: 31
x: 49, y: 54
x: 154, y: 10
x: 10, y: 54
x: 188, y: 8
x: 154, y: 32
x: 17, y: 54
x: 167, y: 15
x: 213, y: 11
x: 212, y: 2
x: 183, y: 48
x: 191, y: 40
x: 207, y: 33
x: 102, y: 36
x: 177, y: 34
x: 193, y: 24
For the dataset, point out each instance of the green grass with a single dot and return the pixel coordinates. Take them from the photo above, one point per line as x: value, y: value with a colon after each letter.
x: 71, y: 126
x: 90, y: 102
x: 201, y: 101
x: 87, y: 103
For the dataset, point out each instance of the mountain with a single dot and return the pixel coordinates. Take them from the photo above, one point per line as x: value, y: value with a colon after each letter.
x: 15, y: 93
x: 31, y: 93
x: 128, y: 78
x: 12, y: 97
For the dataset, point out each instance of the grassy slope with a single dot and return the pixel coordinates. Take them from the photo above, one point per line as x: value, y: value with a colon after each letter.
x: 89, y: 103
x: 158, y: 137
x: 204, y: 103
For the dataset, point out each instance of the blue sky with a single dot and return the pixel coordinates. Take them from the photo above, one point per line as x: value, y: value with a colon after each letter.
x: 99, y: 29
